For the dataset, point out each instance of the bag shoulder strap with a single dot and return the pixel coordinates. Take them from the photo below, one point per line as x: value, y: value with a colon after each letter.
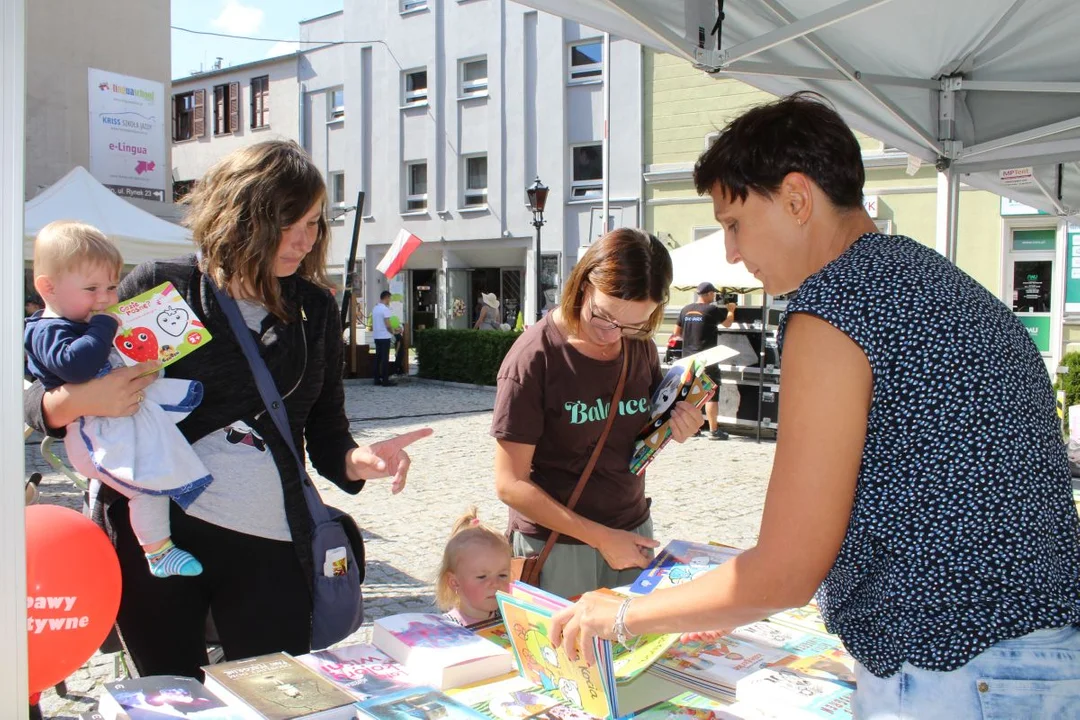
x: 553, y: 536
x: 275, y: 406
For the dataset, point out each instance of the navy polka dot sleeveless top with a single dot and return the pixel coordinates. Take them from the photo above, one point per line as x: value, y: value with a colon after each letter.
x: 963, y: 532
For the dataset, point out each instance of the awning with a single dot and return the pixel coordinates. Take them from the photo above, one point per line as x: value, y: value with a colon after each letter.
x: 704, y: 260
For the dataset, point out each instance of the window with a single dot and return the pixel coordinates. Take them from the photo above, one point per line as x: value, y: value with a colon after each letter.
x: 586, y: 61
x: 180, y: 188
x: 415, y: 87
x: 337, y: 188
x: 226, y: 108
x: 416, y: 181
x: 475, y: 181
x: 260, y: 102
x: 474, y: 77
x: 183, y: 116
x: 337, y: 103
x: 407, y: 5
x: 587, y: 161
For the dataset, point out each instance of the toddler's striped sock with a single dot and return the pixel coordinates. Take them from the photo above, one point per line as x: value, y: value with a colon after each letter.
x: 171, y: 560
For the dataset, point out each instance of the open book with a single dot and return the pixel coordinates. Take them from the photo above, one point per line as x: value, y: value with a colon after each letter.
x: 157, y: 325
x: 615, y: 686
x: 686, y: 380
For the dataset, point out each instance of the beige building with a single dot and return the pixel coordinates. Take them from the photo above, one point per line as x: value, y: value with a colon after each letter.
x: 1015, y: 252
x: 64, y: 40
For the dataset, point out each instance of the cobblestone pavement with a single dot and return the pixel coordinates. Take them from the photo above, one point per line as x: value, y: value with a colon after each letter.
x: 703, y: 490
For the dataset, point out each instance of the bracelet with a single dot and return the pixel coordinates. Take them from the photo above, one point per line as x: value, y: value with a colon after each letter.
x: 619, y: 630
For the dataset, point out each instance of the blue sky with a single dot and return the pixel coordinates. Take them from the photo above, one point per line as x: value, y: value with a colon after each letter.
x: 262, y: 18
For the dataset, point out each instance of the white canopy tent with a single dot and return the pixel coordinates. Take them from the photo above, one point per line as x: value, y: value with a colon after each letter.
x: 987, y: 90
x: 139, y: 235
x: 704, y: 260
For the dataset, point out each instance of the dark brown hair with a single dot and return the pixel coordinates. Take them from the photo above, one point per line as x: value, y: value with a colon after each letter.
x: 626, y: 264
x: 799, y: 133
x: 239, y: 209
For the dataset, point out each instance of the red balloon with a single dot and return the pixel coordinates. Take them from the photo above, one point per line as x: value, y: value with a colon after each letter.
x: 72, y: 592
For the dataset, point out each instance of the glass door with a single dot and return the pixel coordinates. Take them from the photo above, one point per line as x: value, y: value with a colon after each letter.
x: 457, y: 299
x: 1031, y: 282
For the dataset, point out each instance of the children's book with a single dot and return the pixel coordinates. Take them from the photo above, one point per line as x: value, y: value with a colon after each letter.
x: 419, y: 703
x: 479, y: 694
x: 362, y: 670
x: 493, y: 630
x: 714, y: 667
x: 278, y: 687
x: 807, y: 618
x: 685, y: 380
x: 517, y: 704
x: 157, y: 325
x: 791, y: 692
x: 438, y: 652
x: 681, y: 561
x: 687, y: 706
x: 790, y: 639
x: 594, y: 689
x: 160, y: 696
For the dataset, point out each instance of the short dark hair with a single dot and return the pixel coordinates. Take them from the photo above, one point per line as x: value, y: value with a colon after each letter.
x: 384, y: 294
x: 799, y: 133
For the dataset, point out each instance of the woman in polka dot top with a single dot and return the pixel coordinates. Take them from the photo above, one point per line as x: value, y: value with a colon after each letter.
x: 920, y: 484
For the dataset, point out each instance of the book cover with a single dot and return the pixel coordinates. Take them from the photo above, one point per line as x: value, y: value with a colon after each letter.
x: 157, y: 325
x: 278, y: 687
x: 790, y: 639
x: 362, y: 670
x: 687, y: 706
x: 161, y: 696
x: 518, y: 704
x: 684, y: 381
x: 681, y: 561
x: 495, y: 631
x: 807, y: 618
x: 715, y: 667
x: 791, y: 693
x: 420, y: 703
x: 438, y: 652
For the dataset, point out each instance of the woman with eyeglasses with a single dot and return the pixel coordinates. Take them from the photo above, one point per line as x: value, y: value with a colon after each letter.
x: 555, y: 388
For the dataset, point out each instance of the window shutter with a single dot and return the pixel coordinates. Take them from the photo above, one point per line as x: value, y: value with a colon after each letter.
x: 175, y: 134
x: 253, y: 108
x: 199, y: 124
x: 234, y: 106
x: 265, y: 105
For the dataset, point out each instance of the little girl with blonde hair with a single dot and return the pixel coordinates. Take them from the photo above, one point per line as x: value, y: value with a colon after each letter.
x: 475, y: 564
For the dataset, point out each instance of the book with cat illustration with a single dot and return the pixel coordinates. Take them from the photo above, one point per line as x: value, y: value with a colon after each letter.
x: 681, y: 561
x: 157, y: 325
x: 685, y: 381
x: 599, y: 689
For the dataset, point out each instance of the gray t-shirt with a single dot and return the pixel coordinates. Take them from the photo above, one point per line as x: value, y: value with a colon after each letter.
x: 246, y: 493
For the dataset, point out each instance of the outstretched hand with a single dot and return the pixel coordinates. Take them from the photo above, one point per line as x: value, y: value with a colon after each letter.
x: 386, y: 458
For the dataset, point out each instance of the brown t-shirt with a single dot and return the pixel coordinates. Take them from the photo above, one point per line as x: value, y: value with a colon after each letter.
x: 552, y: 396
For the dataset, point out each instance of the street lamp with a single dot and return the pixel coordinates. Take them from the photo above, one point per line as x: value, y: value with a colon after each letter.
x: 538, y: 193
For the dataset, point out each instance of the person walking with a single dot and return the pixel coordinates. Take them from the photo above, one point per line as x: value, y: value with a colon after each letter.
x: 697, y: 326
x: 383, y: 332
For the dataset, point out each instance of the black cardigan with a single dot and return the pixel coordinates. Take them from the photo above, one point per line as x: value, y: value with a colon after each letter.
x: 304, y: 355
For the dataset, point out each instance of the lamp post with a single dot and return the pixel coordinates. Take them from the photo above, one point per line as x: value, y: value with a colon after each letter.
x: 538, y: 193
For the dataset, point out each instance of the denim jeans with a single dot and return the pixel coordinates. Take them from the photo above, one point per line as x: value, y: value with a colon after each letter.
x: 382, y: 360
x: 1029, y: 677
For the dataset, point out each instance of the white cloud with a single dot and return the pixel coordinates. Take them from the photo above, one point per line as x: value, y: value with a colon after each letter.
x: 282, y: 47
x: 238, y: 19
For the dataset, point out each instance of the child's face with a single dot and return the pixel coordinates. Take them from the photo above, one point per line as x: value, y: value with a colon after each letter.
x: 481, y: 571
x: 79, y: 294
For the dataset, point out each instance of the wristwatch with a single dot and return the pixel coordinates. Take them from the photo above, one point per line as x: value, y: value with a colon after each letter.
x: 619, y: 628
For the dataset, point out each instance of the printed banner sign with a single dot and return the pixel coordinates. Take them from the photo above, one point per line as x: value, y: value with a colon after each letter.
x: 127, y: 134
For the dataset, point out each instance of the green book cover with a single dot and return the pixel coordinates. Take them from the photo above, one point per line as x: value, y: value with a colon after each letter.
x: 157, y: 325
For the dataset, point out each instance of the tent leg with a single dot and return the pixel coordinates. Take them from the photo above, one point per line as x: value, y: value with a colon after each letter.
x: 948, y: 205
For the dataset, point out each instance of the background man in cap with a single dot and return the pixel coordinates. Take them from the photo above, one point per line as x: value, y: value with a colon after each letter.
x: 697, y: 326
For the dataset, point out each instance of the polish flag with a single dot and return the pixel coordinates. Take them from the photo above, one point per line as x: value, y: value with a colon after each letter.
x: 394, y: 260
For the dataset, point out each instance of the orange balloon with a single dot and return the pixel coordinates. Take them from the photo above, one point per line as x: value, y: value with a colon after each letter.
x: 72, y: 592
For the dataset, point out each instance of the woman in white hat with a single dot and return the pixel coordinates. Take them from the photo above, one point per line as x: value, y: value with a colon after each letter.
x: 489, y: 313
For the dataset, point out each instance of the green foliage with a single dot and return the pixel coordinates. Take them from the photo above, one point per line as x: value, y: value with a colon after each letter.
x: 465, y: 356
x: 1070, y: 381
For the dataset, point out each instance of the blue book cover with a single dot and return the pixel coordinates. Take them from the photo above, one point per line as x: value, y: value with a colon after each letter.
x: 418, y: 703
x: 679, y: 562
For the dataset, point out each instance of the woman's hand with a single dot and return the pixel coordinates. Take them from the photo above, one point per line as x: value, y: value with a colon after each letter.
x: 593, y: 616
x: 117, y: 394
x: 685, y: 421
x: 623, y: 549
x: 386, y: 458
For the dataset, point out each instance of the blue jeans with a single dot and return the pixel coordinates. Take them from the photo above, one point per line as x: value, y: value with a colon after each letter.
x: 1029, y: 677
x: 382, y: 360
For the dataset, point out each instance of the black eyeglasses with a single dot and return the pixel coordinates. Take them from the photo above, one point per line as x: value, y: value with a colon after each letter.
x: 603, y: 323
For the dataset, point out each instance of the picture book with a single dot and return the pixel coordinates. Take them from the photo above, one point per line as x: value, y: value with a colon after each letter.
x: 493, y: 630
x: 157, y: 325
x: 479, y: 694
x: 517, y: 704
x: 362, y: 670
x: 807, y: 618
x: 685, y: 380
x: 418, y: 703
x: 791, y: 693
x: 594, y: 689
x: 790, y: 639
x: 161, y: 696
x: 687, y: 706
x: 681, y: 561
x: 278, y: 687
x: 714, y: 667
x: 437, y: 652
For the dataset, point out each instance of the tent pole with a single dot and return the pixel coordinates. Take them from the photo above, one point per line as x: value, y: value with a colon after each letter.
x: 948, y: 198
